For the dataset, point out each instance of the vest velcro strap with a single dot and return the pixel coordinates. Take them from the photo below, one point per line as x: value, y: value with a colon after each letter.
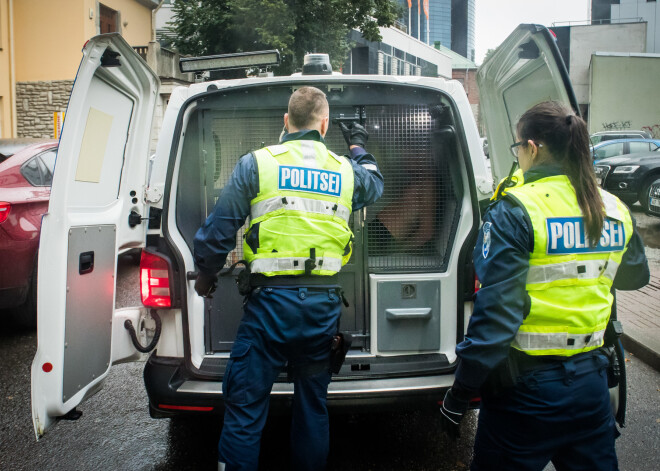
x: 285, y: 264
x: 575, y: 269
x: 296, y: 203
x: 530, y: 341
x: 277, y: 149
x: 611, y: 207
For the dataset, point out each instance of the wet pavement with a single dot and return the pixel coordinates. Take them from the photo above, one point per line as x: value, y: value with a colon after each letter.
x: 115, y: 431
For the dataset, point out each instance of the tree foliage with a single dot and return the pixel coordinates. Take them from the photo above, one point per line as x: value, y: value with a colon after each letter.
x: 294, y: 27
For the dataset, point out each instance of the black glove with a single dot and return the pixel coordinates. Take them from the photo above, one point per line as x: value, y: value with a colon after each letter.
x: 356, y: 135
x: 205, y: 285
x: 452, y: 411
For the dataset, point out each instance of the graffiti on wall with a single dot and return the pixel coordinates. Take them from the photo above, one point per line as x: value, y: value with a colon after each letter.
x: 616, y: 125
x: 654, y: 130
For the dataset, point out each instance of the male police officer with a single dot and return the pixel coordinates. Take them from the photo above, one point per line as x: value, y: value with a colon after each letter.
x: 299, y: 196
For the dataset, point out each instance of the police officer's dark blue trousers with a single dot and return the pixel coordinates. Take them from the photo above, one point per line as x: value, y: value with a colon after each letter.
x: 560, y: 414
x: 280, y: 325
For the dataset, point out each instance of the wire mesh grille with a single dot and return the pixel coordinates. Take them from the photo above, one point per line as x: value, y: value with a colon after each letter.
x: 411, y: 225
x: 233, y: 137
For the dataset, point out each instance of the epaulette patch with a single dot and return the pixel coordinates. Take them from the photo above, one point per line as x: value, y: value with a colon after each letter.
x: 277, y: 149
x: 336, y: 157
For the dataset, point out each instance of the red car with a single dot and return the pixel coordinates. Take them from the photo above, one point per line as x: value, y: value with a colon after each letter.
x: 25, y: 179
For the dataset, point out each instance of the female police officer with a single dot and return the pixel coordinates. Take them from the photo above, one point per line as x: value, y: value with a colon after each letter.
x: 547, y: 257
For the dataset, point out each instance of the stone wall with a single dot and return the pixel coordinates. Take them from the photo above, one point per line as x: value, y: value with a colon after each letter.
x: 35, y: 104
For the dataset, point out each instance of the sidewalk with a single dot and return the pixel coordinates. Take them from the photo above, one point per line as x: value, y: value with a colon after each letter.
x: 639, y: 312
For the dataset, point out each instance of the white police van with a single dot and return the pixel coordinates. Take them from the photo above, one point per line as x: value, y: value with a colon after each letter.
x: 409, y: 283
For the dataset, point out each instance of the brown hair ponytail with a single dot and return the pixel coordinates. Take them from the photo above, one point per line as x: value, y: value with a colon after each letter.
x: 566, y: 138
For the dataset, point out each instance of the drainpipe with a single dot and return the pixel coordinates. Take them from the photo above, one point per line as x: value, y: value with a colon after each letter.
x: 153, y: 20
x: 12, y: 71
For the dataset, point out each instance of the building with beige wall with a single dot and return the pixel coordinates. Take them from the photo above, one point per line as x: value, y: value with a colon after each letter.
x: 40, y: 50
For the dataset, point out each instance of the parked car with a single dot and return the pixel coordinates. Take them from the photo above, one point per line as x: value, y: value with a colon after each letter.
x: 654, y: 199
x: 407, y: 308
x: 629, y: 176
x: 9, y: 146
x: 624, y: 134
x: 25, y: 179
x: 614, y: 147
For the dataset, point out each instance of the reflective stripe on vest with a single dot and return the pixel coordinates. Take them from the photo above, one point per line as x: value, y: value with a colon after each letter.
x: 569, y: 279
x: 582, y: 270
x: 294, y: 203
x: 265, y: 265
x: 557, y: 341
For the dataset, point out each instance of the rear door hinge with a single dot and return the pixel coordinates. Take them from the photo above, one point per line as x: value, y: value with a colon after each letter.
x: 153, y: 194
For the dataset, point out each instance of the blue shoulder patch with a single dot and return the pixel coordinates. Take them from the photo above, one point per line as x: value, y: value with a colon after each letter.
x: 485, y: 248
x: 569, y: 236
x: 310, y: 180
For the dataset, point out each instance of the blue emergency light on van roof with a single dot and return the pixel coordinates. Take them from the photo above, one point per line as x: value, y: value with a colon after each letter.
x: 239, y: 60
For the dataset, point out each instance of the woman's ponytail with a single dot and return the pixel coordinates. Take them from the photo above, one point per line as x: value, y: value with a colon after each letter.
x: 567, y: 139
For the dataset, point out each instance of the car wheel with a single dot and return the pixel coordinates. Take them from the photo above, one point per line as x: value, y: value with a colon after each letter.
x: 25, y: 315
x: 644, y: 192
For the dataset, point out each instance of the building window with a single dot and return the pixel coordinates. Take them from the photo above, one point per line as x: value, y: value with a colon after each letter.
x: 108, y: 20
x: 400, y: 67
x: 387, y: 65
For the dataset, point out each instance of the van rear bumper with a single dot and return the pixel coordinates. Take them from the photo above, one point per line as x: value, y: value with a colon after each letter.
x: 171, y: 392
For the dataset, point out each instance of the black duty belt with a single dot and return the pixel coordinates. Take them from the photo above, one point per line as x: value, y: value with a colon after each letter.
x: 257, y: 279
x: 527, y: 363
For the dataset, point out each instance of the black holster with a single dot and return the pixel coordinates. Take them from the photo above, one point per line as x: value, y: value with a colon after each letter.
x: 503, y: 377
x: 243, y: 278
x: 613, y: 331
x: 341, y: 343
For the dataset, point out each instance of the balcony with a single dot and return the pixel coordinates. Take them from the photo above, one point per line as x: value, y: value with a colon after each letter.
x: 164, y: 62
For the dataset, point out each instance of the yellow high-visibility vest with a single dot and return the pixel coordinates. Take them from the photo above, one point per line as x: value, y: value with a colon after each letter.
x: 301, y: 211
x: 569, y: 280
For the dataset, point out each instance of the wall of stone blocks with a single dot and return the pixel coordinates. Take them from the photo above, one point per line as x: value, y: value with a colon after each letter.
x: 35, y: 104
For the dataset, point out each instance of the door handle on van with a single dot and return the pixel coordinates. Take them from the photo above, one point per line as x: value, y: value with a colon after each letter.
x: 412, y: 313
x: 86, y: 263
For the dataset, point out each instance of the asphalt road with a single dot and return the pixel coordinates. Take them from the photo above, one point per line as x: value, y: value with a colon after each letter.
x: 115, y: 431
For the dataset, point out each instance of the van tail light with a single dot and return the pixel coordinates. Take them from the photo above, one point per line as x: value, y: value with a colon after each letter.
x: 477, y: 284
x: 4, y: 211
x: 186, y: 408
x: 155, y: 280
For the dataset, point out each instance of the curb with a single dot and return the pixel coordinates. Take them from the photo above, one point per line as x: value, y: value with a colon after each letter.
x: 641, y: 351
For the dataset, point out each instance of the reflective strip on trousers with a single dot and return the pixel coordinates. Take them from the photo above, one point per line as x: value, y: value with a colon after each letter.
x: 581, y: 270
x: 265, y: 265
x: 557, y: 340
x: 299, y: 204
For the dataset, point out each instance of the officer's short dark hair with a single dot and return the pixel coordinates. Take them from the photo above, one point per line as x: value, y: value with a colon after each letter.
x: 307, y: 105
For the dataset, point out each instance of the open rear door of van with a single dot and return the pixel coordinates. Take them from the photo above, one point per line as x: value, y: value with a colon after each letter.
x: 99, y: 179
x: 523, y: 71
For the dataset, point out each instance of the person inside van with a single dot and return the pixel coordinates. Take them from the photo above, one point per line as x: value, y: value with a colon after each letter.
x: 408, y: 223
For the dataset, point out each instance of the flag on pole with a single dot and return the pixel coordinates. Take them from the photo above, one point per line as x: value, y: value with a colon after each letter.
x: 426, y: 8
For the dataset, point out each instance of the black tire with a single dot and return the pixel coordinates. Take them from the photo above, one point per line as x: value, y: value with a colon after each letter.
x: 644, y: 192
x: 25, y: 315
x: 629, y: 200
